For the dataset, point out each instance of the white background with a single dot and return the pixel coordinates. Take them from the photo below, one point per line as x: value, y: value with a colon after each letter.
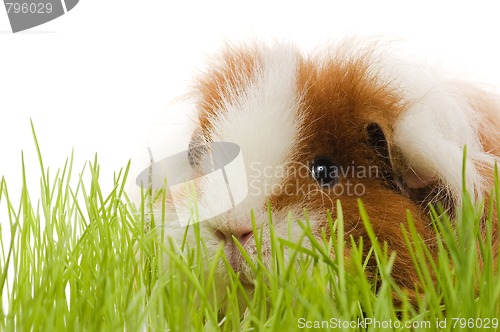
x: 96, y: 78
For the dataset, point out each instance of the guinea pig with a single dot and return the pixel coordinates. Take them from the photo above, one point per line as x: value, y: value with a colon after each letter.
x: 351, y: 122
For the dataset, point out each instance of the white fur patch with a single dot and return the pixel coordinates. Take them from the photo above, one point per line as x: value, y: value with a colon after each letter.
x: 263, y: 120
x: 436, y: 125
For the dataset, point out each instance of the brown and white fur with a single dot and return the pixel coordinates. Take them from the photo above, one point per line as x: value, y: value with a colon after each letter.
x: 357, y: 106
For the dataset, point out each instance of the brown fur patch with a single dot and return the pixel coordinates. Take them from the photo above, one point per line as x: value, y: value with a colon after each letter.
x: 340, y: 100
x: 228, y: 75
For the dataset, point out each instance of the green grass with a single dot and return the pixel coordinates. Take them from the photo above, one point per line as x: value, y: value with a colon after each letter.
x: 84, y: 260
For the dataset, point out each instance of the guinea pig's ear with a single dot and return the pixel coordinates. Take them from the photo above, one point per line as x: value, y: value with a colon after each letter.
x: 400, y: 178
x: 197, y: 147
x: 378, y: 141
x: 418, y: 185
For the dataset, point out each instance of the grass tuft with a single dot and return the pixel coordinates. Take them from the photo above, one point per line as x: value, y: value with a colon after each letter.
x: 81, y: 259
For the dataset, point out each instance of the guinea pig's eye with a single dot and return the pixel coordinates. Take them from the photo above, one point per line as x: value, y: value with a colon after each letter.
x: 324, y: 172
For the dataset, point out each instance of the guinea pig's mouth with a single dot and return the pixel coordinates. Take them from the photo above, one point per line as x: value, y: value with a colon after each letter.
x: 238, y: 262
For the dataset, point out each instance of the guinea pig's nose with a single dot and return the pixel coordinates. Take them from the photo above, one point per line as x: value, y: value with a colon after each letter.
x: 241, y: 233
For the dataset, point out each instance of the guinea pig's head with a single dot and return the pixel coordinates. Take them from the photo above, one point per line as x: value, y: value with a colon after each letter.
x: 311, y: 131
